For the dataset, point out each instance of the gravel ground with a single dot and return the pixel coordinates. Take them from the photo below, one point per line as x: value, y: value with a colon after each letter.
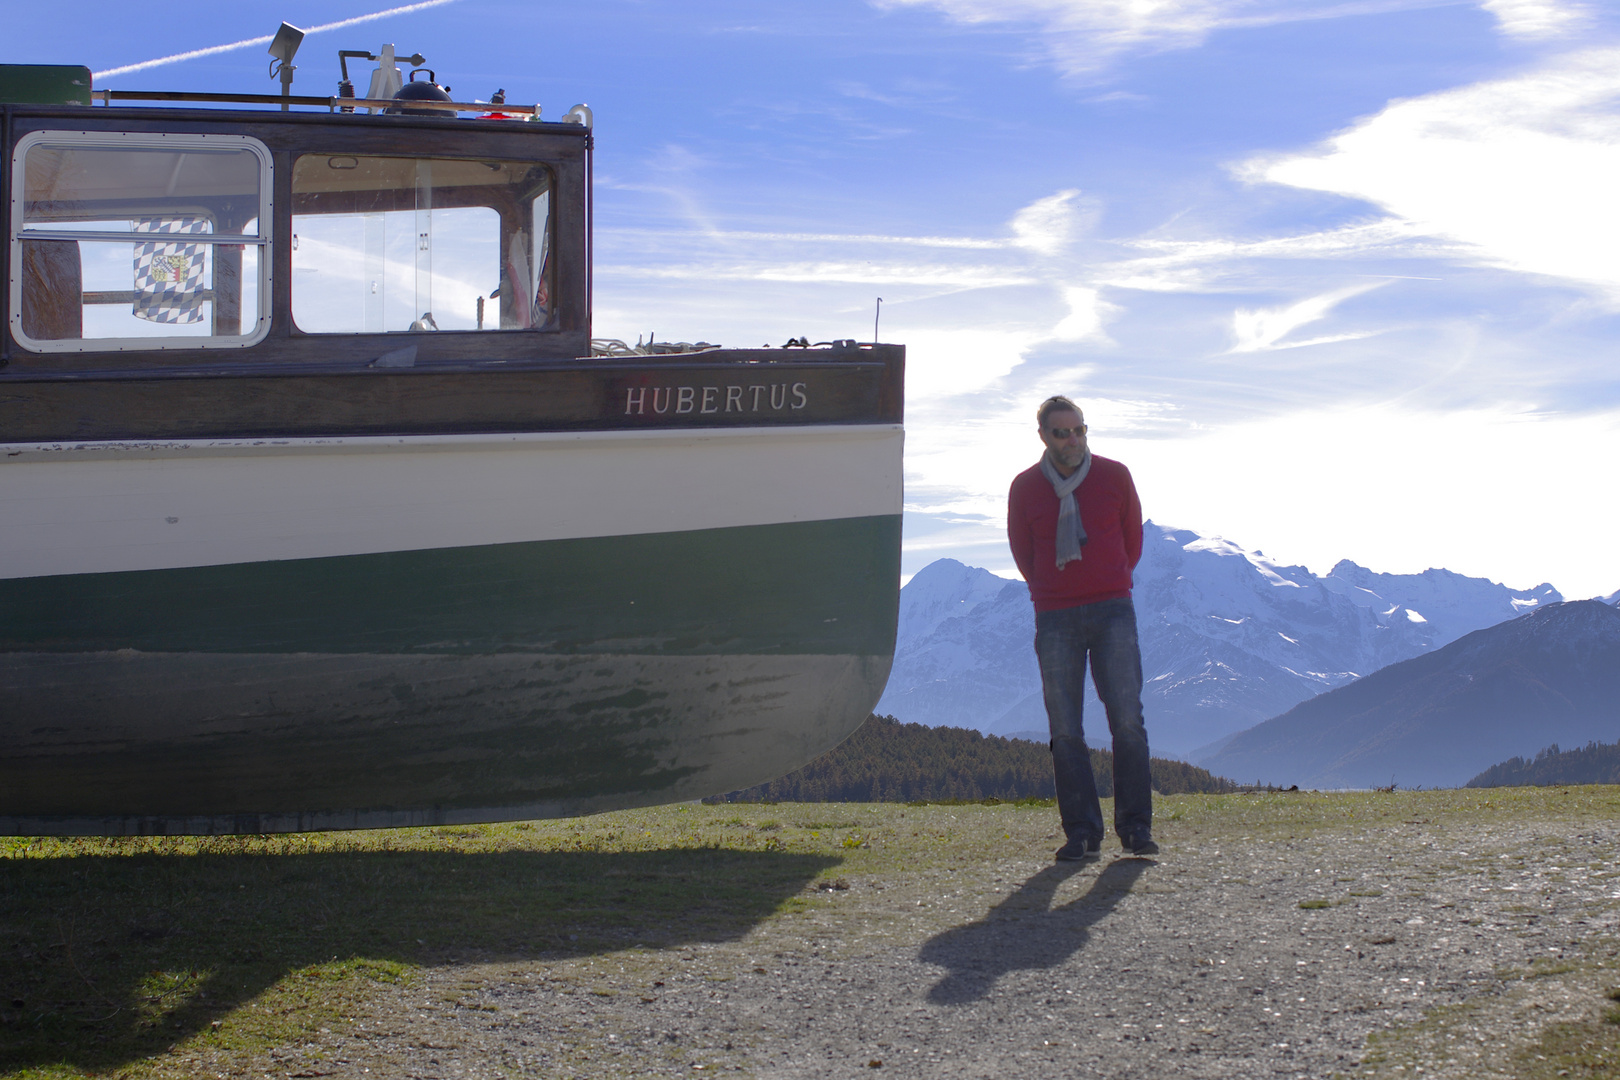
x: 1408, y: 949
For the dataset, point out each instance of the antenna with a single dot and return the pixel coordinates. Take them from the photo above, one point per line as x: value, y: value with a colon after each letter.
x: 875, y: 317
x: 284, y: 48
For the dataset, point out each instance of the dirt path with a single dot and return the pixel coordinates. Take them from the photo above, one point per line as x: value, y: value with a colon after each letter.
x: 1452, y: 944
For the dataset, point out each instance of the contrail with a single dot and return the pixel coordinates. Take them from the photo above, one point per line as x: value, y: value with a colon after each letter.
x: 248, y: 43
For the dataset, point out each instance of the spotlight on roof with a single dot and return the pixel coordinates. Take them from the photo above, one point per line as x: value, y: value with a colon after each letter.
x: 284, y: 48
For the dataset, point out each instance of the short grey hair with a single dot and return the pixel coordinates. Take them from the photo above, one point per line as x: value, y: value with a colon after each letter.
x: 1056, y: 403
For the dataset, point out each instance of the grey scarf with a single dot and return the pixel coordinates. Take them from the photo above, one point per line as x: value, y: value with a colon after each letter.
x: 1071, y: 534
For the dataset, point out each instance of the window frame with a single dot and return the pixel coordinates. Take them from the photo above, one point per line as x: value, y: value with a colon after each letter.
x: 553, y: 325
x: 149, y: 140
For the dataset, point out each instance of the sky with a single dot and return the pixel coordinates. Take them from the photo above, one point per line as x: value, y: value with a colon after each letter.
x: 1334, y: 278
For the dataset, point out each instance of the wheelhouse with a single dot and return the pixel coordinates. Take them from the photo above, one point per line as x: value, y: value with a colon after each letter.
x: 220, y: 241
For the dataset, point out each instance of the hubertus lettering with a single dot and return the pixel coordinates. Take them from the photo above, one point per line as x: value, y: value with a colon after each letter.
x: 753, y: 398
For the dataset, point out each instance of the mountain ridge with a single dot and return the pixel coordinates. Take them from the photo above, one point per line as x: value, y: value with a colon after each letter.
x: 1439, y: 719
x: 1230, y: 638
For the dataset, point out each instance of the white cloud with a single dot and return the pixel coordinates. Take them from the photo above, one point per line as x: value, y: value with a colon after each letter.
x: 1519, y: 170
x: 1045, y: 225
x: 1264, y: 328
x: 1536, y: 18
x: 1087, y: 312
x: 1404, y: 489
x: 948, y: 363
x: 964, y: 242
x: 1217, y: 265
x: 1388, y: 236
x: 946, y: 275
x: 1084, y: 34
x: 1083, y: 37
x: 248, y: 43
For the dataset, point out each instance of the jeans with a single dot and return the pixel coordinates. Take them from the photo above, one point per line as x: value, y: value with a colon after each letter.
x: 1106, y: 631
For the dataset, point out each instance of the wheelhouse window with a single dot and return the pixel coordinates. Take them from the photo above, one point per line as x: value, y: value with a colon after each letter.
x: 124, y: 241
x: 388, y: 244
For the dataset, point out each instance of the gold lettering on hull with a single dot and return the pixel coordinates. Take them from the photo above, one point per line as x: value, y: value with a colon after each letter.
x: 753, y: 398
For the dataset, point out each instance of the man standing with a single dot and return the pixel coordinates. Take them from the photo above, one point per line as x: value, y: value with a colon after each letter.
x: 1075, y: 526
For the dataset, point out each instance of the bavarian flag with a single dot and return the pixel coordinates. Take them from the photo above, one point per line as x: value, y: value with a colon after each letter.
x: 169, y: 274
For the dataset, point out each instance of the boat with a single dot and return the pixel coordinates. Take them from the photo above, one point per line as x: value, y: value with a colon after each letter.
x: 321, y: 508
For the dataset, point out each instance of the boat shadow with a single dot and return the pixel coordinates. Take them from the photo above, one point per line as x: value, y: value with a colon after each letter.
x: 108, y: 959
x: 1024, y: 932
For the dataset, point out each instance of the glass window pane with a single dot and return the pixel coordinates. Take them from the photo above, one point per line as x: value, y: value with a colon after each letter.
x: 371, y: 273
x: 107, y: 289
x: 64, y: 185
x: 157, y: 213
x: 396, y: 244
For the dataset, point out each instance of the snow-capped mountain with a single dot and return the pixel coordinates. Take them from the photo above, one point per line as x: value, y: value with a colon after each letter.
x: 1229, y: 638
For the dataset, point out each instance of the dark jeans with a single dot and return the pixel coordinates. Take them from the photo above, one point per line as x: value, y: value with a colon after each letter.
x: 1106, y: 631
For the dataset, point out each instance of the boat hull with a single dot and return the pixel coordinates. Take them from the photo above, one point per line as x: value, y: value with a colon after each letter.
x: 469, y: 681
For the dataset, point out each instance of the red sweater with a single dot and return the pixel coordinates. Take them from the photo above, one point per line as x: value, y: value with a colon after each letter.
x: 1112, y: 517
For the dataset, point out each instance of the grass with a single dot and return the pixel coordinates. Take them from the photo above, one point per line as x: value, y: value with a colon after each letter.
x: 1586, y: 1050
x: 118, y: 954
x: 112, y: 951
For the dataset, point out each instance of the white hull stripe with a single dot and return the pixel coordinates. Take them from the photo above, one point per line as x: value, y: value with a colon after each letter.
x: 115, y: 506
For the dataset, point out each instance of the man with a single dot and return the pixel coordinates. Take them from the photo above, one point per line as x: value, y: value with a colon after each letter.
x: 1075, y: 527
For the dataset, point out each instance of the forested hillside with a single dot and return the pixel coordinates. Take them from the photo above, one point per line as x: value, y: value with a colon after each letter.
x: 887, y: 761
x: 1594, y: 763
x: 1552, y: 675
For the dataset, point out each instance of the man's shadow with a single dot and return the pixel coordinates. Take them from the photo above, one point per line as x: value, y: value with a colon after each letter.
x: 1024, y: 932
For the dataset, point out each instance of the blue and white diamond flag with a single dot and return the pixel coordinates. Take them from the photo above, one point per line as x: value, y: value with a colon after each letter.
x: 169, y: 276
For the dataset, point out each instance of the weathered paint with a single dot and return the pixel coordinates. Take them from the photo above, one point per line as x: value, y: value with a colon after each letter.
x: 292, y: 742
x: 467, y: 684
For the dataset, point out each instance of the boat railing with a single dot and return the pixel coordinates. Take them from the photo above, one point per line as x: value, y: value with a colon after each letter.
x: 331, y: 104
x: 613, y: 347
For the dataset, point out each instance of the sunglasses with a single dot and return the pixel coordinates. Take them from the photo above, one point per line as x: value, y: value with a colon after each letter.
x: 1065, y: 432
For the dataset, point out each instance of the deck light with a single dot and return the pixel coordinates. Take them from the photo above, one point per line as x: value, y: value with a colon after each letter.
x: 284, y: 48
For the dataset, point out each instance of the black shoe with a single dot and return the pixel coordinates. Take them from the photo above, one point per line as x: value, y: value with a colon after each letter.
x: 1080, y: 849
x: 1141, y: 846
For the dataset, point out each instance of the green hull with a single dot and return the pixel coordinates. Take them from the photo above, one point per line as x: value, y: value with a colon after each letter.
x: 452, y: 685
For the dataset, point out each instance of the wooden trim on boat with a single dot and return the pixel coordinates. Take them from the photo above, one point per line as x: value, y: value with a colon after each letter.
x: 723, y: 388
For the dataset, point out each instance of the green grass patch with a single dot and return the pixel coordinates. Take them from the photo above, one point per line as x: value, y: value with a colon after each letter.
x: 1588, y: 1050
x: 1585, y: 1050
x: 1539, y: 969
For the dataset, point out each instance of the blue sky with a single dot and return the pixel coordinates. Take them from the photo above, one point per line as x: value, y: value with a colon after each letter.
x: 1336, y: 279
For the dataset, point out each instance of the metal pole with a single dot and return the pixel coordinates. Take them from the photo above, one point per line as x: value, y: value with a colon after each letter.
x: 876, y: 315
x: 590, y: 237
x: 5, y: 251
